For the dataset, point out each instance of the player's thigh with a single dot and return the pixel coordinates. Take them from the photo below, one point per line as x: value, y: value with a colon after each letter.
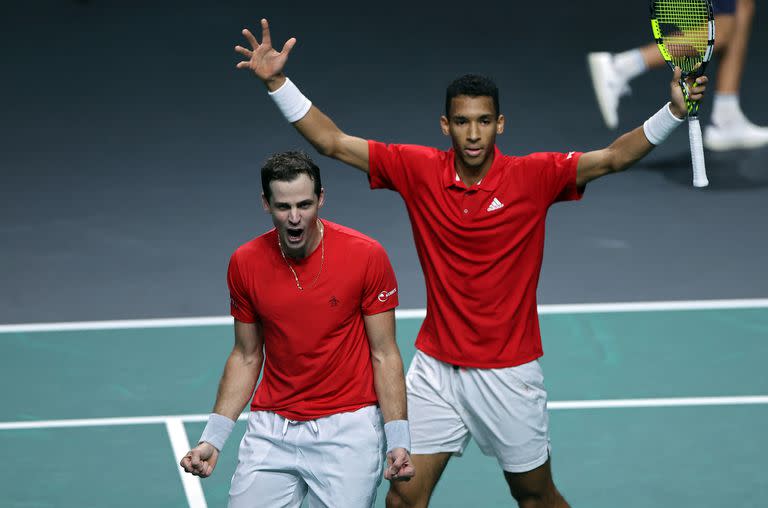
x: 435, y: 421
x: 265, y: 475
x: 415, y: 493
x: 343, y: 462
x: 506, y: 412
x: 267, y: 489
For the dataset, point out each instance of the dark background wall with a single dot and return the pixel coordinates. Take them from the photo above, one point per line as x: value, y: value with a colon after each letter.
x: 130, y: 148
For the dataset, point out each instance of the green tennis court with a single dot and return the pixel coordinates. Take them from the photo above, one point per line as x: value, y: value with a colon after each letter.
x: 650, y: 406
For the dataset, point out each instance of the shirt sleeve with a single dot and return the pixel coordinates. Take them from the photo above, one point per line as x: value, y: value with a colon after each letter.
x: 380, y: 285
x: 555, y: 175
x: 240, y: 305
x: 400, y: 167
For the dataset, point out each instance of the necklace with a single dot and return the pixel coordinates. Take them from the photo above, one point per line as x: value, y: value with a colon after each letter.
x: 322, y: 257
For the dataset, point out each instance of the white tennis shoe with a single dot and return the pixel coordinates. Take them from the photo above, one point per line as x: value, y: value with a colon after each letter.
x: 734, y: 136
x: 609, y: 86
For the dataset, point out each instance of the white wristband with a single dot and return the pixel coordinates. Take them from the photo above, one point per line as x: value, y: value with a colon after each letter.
x: 217, y: 430
x: 658, y: 127
x: 398, y: 435
x: 291, y: 102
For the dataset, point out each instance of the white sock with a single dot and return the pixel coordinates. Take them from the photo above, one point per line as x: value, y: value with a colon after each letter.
x: 629, y: 64
x: 726, y: 109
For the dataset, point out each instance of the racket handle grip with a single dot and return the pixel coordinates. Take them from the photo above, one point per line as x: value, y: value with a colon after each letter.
x: 697, y: 152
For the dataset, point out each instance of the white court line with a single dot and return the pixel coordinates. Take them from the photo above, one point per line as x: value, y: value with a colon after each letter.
x: 575, y: 308
x: 193, y: 489
x: 106, y: 422
x: 563, y: 404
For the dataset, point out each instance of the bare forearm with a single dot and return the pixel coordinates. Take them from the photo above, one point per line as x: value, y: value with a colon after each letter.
x: 628, y: 149
x: 237, y: 384
x: 321, y: 132
x: 315, y: 126
x: 390, y: 386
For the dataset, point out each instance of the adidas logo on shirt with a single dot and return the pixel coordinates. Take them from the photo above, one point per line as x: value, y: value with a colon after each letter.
x: 495, y: 205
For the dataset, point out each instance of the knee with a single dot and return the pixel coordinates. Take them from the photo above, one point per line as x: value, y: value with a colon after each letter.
x: 396, y: 498
x: 548, y: 497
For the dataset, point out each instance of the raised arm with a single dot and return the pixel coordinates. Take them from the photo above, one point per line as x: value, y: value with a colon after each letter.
x: 390, y: 389
x: 634, y: 145
x: 235, y: 389
x: 268, y: 64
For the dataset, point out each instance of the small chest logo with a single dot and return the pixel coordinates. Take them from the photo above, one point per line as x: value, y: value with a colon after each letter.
x: 334, y: 301
x: 495, y: 205
x: 570, y: 154
x: 384, y: 295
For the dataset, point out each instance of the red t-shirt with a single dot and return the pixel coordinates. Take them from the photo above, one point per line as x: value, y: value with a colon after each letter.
x: 317, y: 357
x: 480, y: 247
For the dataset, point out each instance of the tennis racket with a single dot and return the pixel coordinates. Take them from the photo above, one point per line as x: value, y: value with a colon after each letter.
x: 685, y: 33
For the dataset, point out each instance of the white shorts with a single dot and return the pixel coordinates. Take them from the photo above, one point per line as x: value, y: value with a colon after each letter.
x: 335, y: 461
x: 505, y: 410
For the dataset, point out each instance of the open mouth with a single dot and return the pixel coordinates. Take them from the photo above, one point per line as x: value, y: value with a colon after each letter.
x: 294, y: 235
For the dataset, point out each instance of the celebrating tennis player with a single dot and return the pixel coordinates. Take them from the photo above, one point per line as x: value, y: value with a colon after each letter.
x: 314, y: 303
x: 478, y: 222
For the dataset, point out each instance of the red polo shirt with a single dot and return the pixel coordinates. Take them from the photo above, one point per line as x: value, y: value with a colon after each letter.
x: 317, y: 360
x: 480, y: 247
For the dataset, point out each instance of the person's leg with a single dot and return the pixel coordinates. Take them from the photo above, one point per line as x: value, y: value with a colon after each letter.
x: 535, y: 488
x: 416, y: 492
x: 611, y: 72
x: 732, y: 59
x: 506, y: 413
x: 437, y: 429
x: 341, y: 458
x: 730, y: 129
x: 265, y: 476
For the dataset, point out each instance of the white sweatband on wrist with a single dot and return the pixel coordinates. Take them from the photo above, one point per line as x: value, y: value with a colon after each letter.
x: 398, y: 435
x: 291, y: 102
x: 217, y: 430
x: 658, y: 127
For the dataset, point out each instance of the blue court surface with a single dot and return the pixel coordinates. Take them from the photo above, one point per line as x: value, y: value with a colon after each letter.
x: 652, y: 404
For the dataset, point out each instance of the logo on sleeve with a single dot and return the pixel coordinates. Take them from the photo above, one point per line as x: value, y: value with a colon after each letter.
x: 333, y: 301
x: 384, y: 295
x: 233, y: 303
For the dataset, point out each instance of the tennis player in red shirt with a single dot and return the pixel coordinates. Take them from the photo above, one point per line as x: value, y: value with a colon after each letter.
x: 314, y: 303
x: 478, y: 221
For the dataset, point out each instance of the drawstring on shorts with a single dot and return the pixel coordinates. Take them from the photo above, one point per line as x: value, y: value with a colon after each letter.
x: 312, y: 424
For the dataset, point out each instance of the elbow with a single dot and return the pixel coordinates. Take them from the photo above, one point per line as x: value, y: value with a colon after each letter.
x: 326, y: 149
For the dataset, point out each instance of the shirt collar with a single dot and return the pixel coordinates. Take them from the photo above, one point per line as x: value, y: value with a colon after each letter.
x: 488, y: 183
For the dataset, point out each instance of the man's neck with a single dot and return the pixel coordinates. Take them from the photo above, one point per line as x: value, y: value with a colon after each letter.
x: 469, y: 175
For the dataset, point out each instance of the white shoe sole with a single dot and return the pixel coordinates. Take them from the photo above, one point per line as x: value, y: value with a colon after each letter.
x: 722, y: 145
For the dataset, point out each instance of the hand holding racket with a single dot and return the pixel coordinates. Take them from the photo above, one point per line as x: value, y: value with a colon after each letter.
x: 685, y: 91
x: 685, y: 33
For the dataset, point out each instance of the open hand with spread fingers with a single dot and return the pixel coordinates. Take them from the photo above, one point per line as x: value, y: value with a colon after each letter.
x: 265, y: 62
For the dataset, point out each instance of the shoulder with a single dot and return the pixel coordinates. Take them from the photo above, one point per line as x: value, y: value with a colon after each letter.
x: 533, y: 163
x: 408, y: 151
x: 537, y: 158
x: 353, y: 239
x: 255, y: 248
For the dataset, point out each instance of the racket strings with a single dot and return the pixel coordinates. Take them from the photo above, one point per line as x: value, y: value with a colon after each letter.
x: 684, y: 27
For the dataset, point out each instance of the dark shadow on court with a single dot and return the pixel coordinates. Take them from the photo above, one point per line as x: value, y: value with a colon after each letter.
x: 726, y: 171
